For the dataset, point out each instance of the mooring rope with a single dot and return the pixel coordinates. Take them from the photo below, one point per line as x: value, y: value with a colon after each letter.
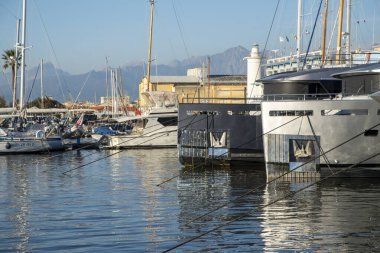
x: 245, y: 143
x: 282, y: 175
x: 267, y: 205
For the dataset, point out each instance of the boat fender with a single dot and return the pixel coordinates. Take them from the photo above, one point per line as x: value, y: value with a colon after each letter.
x: 40, y: 134
x: 8, y: 145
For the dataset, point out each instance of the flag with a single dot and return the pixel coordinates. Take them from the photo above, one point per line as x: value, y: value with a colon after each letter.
x: 283, y: 39
x: 80, y: 120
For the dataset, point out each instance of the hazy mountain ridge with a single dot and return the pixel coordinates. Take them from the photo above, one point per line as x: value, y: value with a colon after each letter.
x: 65, y: 86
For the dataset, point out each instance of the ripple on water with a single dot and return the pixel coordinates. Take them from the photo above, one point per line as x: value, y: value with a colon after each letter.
x: 115, y: 205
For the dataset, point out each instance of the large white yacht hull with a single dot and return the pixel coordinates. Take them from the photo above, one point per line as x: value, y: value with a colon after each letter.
x: 335, y: 133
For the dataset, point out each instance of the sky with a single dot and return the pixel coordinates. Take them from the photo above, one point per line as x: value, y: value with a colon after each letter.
x: 77, y: 35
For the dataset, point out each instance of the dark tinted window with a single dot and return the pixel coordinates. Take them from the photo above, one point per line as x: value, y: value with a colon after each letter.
x: 170, y: 121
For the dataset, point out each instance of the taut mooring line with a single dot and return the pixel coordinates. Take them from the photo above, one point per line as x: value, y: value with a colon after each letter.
x: 266, y: 205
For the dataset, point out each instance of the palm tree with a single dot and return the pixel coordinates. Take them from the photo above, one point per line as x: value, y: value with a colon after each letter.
x: 9, y: 57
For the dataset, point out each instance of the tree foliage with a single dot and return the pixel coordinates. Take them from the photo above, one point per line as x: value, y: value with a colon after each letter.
x: 48, y: 103
x: 3, y: 103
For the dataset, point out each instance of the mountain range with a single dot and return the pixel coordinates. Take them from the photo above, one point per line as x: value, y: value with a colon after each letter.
x: 90, y: 86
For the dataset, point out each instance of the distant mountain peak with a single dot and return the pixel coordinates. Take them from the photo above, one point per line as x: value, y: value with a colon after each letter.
x: 59, y: 84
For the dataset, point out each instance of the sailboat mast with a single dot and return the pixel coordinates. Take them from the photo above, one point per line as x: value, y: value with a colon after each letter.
x: 339, y: 42
x: 150, y: 44
x: 22, y: 80
x: 324, y: 32
x: 16, y: 65
x: 348, y: 32
x: 299, y: 34
x: 42, y: 83
x: 107, y: 95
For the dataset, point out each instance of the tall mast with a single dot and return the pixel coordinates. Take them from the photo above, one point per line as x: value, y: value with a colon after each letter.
x: 107, y: 98
x: 22, y: 81
x: 16, y: 65
x: 324, y: 32
x: 339, y: 42
x: 150, y: 44
x: 348, y: 32
x: 42, y: 83
x: 299, y: 36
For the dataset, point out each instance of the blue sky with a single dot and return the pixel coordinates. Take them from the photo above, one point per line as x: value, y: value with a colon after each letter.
x: 77, y: 35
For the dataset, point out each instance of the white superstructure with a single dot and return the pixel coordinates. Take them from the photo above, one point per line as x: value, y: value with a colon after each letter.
x: 311, y: 132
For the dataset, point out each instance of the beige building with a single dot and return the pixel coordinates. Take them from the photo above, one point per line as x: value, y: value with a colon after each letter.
x: 125, y: 100
x: 197, y: 87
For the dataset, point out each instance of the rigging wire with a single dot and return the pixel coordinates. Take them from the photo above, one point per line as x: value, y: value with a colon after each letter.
x: 283, y: 175
x: 266, y: 42
x: 268, y: 204
x: 9, y: 11
x: 179, y: 23
x: 92, y: 144
x: 80, y: 91
x: 7, y: 80
x: 312, y: 34
x: 54, y: 55
x: 65, y: 172
x: 31, y: 89
x: 249, y: 141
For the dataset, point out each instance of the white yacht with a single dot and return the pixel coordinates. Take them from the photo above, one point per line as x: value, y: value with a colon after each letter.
x: 156, y: 128
x: 309, y: 132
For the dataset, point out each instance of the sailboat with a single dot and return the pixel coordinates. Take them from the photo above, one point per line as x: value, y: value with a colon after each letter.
x: 157, y: 126
x: 23, y: 137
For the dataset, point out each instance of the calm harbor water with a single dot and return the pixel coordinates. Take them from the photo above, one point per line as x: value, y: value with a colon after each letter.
x: 114, y: 205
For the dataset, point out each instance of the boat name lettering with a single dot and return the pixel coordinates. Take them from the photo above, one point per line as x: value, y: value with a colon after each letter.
x: 291, y: 113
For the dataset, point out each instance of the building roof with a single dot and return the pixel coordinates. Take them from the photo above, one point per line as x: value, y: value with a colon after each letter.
x: 228, y: 79
x: 174, y: 79
x: 214, y: 79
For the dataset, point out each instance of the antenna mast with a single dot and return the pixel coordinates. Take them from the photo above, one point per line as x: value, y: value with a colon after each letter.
x: 14, y: 88
x: 348, y: 32
x: 339, y: 42
x: 299, y: 35
x: 150, y: 44
x: 22, y: 81
x: 324, y: 32
x: 42, y: 83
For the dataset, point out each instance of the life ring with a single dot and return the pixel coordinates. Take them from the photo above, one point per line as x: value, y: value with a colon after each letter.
x: 40, y: 134
x: 8, y: 145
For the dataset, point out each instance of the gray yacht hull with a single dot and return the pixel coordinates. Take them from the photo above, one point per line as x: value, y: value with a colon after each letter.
x: 309, y: 135
x: 219, y: 133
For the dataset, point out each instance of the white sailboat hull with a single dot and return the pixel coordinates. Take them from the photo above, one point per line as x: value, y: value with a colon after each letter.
x: 164, y: 138
x: 29, y: 145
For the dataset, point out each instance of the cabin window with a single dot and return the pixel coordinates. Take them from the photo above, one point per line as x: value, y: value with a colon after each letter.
x: 244, y: 113
x: 291, y: 113
x: 371, y: 132
x: 344, y: 112
x: 378, y: 112
x: 194, y: 112
x: 168, y: 121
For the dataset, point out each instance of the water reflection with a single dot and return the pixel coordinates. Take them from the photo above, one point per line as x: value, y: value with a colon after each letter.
x: 340, y: 214
x: 16, y: 197
x: 115, y: 205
